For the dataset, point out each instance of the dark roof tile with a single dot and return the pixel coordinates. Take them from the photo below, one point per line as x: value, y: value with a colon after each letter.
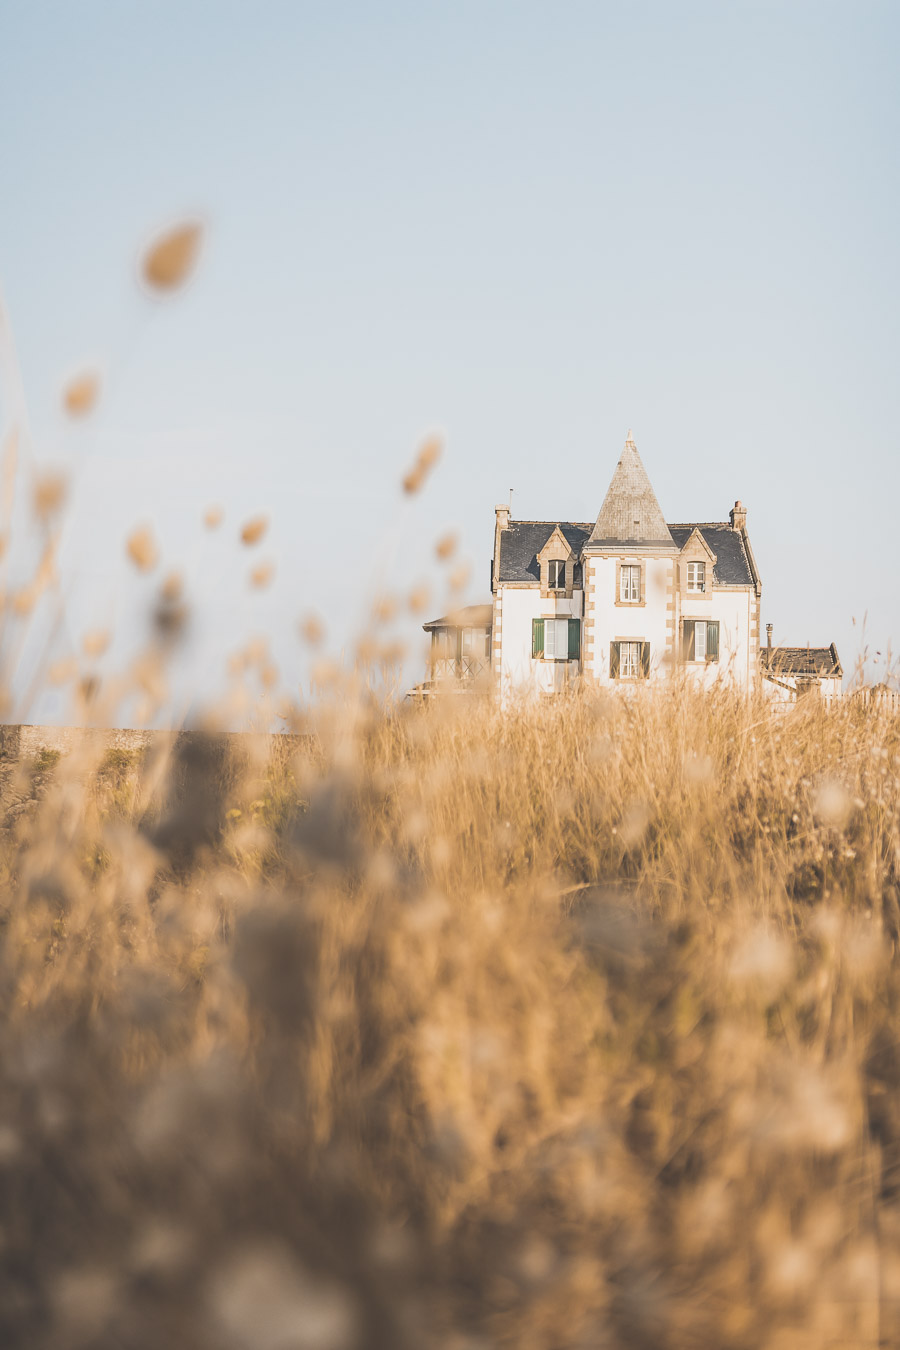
x: 820, y: 661
x: 523, y: 541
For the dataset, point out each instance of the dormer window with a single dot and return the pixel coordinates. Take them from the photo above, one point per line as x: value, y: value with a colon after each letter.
x: 556, y: 574
x: 696, y: 576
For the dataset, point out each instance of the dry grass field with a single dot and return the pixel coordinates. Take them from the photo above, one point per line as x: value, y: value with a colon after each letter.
x: 571, y: 1027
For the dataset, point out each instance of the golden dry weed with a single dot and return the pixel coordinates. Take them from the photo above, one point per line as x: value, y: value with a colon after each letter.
x: 261, y: 575
x: 428, y: 455
x: 437, y: 1023
x: 81, y: 393
x: 446, y: 545
x: 142, y: 549
x: 254, y: 530
x: 172, y: 257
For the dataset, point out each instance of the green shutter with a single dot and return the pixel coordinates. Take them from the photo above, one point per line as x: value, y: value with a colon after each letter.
x: 687, y: 640
x: 712, y: 642
x: 537, y: 637
x: 614, y: 660
x: 645, y: 659
x: 574, y: 639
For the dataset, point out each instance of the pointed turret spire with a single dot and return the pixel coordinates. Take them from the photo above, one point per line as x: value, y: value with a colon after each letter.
x: 630, y: 512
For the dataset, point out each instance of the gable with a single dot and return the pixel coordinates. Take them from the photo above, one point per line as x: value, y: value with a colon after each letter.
x: 525, y: 539
x: 557, y: 546
x: 732, y: 567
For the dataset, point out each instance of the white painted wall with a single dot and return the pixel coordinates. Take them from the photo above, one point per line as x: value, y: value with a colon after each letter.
x: 639, y: 623
x: 783, y: 689
x: 515, y: 609
x: 732, y: 610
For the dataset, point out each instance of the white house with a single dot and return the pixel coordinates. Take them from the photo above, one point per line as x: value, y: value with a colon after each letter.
x: 629, y: 597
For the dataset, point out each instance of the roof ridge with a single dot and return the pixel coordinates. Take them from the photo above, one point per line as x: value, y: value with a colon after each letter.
x: 698, y: 524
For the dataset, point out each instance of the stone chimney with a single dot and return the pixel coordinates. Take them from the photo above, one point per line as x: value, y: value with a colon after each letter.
x: 738, y: 516
x: 502, y: 524
x: 769, y: 636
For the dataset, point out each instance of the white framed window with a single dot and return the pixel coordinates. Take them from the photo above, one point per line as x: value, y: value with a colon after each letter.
x: 696, y: 576
x: 476, y: 643
x: 629, y: 660
x: 556, y: 569
x: 700, y: 640
x: 630, y: 584
x: 556, y: 639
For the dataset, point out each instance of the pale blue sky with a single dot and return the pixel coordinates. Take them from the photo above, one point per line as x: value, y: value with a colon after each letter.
x: 532, y: 226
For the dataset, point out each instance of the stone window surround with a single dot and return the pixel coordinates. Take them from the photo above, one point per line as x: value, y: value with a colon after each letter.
x: 639, y: 642
x: 557, y: 549
x: 705, y: 659
x: 625, y: 561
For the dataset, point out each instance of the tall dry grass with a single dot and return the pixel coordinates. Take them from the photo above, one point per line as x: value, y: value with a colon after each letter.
x: 575, y: 1026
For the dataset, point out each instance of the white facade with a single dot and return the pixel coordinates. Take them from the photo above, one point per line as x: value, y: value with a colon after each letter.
x: 641, y: 598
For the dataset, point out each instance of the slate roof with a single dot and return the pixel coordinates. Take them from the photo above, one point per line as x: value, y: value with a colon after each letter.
x: 523, y: 541
x: 467, y: 616
x: 809, y: 661
x: 732, y: 565
x: 630, y: 512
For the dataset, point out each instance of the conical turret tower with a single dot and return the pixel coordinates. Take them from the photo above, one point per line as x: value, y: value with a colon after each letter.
x: 630, y: 513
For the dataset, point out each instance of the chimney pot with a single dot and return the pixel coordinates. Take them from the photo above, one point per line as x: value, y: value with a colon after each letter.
x: 738, y: 516
x: 769, y: 636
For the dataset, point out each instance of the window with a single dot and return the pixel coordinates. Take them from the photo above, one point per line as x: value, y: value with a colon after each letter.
x: 700, y: 640
x: 630, y: 584
x: 629, y: 660
x: 696, y: 576
x: 476, y: 643
x: 556, y: 639
x: 557, y: 574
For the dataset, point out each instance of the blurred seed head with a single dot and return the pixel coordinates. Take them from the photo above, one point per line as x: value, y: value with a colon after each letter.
x: 633, y: 825
x: 446, y: 545
x: 253, y: 530
x: 263, y: 1300
x: 459, y: 577
x: 61, y: 672
x: 418, y: 599
x: 213, y: 517
x: 428, y: 456
x: 95, y: 642
x: 172, y: 588
x: 262, y: 574
x: 80, y: 394
x: 172, y: 257
x: 142, y: 550
x: 832, y: 804
x: 312, y: 630
x: 699, y: 770
x: 762, y: 962
x: 49, y: 494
